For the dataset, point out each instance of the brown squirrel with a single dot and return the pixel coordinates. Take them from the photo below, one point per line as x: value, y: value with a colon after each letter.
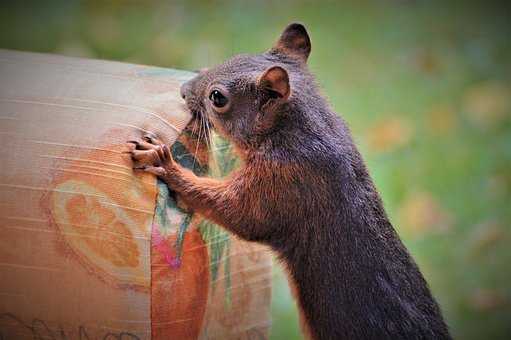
x: 303, y: 189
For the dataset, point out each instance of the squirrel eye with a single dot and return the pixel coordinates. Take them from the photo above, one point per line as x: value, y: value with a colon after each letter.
x: 218, y: 99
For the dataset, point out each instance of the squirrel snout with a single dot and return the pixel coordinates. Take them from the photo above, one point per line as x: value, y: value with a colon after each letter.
x: 185, y: 90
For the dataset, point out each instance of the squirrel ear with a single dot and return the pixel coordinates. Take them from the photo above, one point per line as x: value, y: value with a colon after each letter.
x: 294, y: 41
x: 276, y: 81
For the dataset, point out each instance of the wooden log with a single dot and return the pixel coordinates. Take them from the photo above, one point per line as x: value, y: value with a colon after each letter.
x: 88, y: 248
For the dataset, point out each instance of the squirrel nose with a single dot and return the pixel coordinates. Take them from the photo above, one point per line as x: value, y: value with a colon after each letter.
x: 184, y: 90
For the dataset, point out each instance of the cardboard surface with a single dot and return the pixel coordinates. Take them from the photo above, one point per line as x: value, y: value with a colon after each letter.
x: 90, y: 250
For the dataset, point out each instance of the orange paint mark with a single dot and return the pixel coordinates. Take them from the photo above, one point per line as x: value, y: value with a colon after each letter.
x: 179, y: 294
x: 116, y: 241
x: 103, y: 214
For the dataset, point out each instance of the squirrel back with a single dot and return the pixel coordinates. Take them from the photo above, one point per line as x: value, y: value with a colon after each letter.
x: 304, y: 190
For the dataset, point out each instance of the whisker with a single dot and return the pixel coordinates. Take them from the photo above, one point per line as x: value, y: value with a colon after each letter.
x: 197, y: 145
x: 212, y: 147
x: 194, y: 129
x: 206, y: 133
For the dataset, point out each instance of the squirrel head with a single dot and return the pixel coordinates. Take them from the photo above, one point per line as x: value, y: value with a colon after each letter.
x: 249, y: 96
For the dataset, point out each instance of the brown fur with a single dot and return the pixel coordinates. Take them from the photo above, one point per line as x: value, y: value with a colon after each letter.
x: 304, y: 191
x: 304, y: 326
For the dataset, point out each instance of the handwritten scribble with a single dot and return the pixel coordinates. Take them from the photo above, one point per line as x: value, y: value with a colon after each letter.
x: 40, y: 330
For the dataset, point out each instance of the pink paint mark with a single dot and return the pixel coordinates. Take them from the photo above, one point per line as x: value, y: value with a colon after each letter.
x: 163, y: 248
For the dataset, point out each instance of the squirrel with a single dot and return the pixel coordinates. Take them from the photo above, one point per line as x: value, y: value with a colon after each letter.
x: 303, y: 190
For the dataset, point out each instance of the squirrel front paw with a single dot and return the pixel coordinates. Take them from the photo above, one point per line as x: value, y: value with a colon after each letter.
x: 151, y: 155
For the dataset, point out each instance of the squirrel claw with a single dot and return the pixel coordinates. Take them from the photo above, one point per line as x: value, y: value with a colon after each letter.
x: 150, y: 155
x: 150, y: 138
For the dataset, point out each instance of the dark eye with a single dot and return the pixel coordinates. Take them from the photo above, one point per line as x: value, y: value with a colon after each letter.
x: 218, y: 99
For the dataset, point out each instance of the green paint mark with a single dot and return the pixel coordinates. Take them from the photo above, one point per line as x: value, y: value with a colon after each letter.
x: 222, y: 161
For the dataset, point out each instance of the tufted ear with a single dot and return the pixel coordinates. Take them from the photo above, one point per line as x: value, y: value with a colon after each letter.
x: 294, y: 41
x: 276, y: 81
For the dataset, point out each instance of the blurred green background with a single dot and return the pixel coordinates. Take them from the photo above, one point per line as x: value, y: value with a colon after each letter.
x: 424, y: 85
